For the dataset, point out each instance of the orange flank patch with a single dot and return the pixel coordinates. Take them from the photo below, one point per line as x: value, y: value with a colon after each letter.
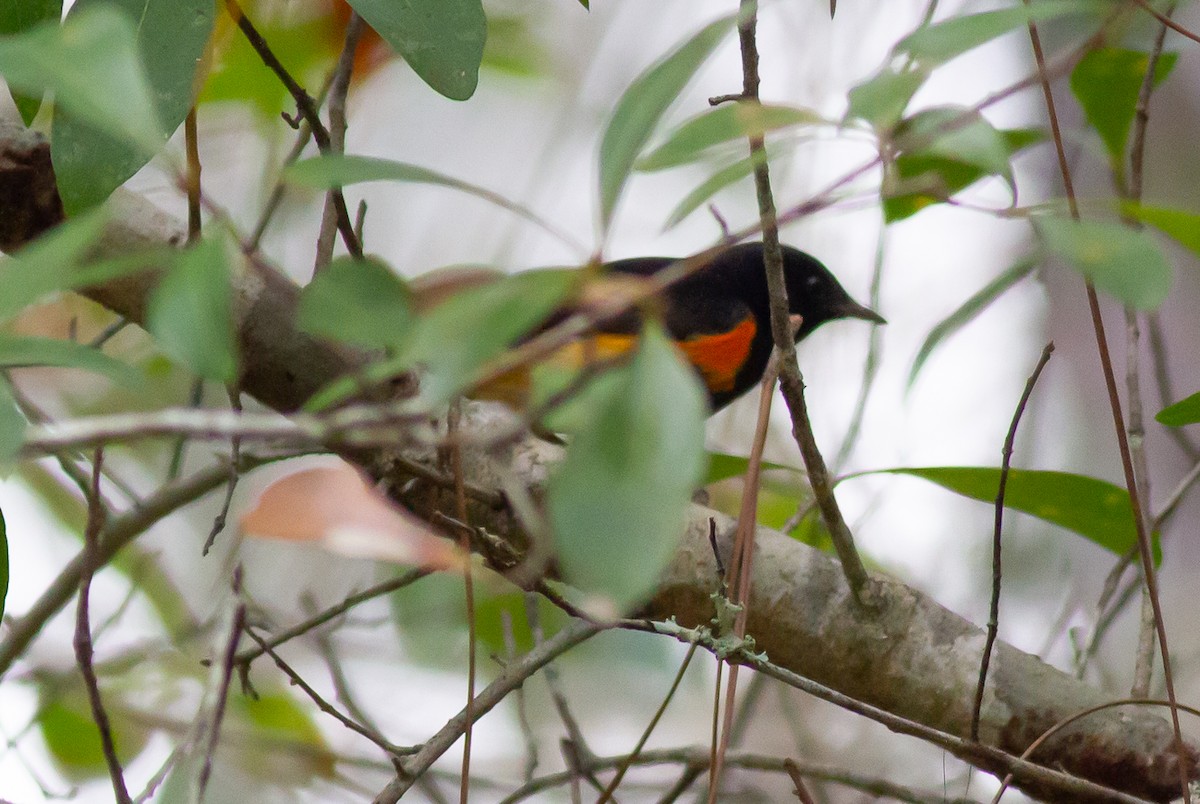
x: 720, y: 357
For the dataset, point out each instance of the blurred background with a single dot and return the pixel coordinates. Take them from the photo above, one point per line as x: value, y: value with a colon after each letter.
x: 553, y: 73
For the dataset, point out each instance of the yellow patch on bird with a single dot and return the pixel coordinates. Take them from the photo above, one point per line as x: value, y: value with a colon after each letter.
x: 720, y: 357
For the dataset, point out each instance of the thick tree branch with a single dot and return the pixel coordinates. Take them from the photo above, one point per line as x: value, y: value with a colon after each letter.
x: 912, y: 658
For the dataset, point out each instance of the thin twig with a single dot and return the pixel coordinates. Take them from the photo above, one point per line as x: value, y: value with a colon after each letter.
x: 1144, y: 547
x: 510, y: 654
x: 338, y: 90
x: 460, y: 507
x: 1135, y: 429
x: 191, y: 140
x: 235, y: 457
x: 794, y: 773
x: 92, y: 561
x: 513, y: 676
x: 116, y: 534
x: 245, y: 657
x: 237, y: 623
x: 993, y: 625
x: 627, y: 761
x: 307, y: 109
x: 393, y: 751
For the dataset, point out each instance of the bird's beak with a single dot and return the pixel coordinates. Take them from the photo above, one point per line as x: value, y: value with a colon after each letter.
x: 853, y: 309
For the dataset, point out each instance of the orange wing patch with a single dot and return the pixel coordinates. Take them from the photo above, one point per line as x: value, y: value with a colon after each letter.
x: 720, y: 357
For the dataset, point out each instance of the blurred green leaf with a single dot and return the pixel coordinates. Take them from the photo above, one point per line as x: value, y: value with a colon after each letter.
x: 1107, y: 82
x: 1181, y: 226
x: 12, y: 426
x: 442, y: 40
x: 643, y: 105
x: 967, y: 312
x: 277, y: 719
x: 171, y: 36
x: 938, y: 43
x: 89, y: 63
x: 359, y: 302
x: 513, y: 48
x: 305, y: 46
x: 617, y: 502
x: 457, y: 337
x: 20, y: 351
x: 46, y: 264
x: 1185, y: 411
x: 339, y: 170
x: 71, y: 736
x: 714, y: 184
x: 19, y: 16
x: 1123, y: 262
x: 1095, y: 509
x: 190, y: 313
x: 881, y: 99
x: 729, y: 121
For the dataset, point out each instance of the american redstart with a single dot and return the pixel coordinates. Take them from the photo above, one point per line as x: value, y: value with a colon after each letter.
x: 719, y: 317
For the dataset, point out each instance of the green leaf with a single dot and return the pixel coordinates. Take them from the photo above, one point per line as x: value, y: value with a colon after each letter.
x: 442, y: 40
x: 1185, y: 411
x: 360, y: 302
x: 1107, y: 82
x: 3, y: 563
x: 713, y: 185
x: 171, y: 36
x: 1121, y: 261
x: 91, y: 64
x: 942, y: 151
x: 727, y: 122
x: 12, y: 429
x: 722, y: 466
x: 643, y: 104
x: 190, y: 313
x: 19, y: 351
x: 46, y: 264
x: 1181, y: 226
x: 882, y: 98
x: 618, y: 500
x: 936, y: 44
x: 16, y: 17
x: 339, y: 170
x: 73, y: 740
x: 1095, y: 509
x: 967, y: 312
x: 457, y: 337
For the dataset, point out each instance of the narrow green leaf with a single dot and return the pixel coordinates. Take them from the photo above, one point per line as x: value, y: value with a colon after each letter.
x: 1107, y: 82
x: 457, y: 337
x: 16, y: 17
x: 190, y: 313
x: 643, y: 104
x: 1095, y: 509
x: 1181, y: 226
x: 713, y: 185
x: 722, y: 466
x: 339, y: 170
x: 360, y: 302
x: 730, y: 121
x: 170, y: 39
x: 20, y: 351
x: 3, y: 563
x: 882, y: 98
x: 938, y: 43
x: 91, y: 64
x: 617, y: 502
x: 442, y: 40
x: 12, y: 430
x: 967, y: 312
x: 1121, y: 261
x: 46, y: 264
x: 1185, y: 411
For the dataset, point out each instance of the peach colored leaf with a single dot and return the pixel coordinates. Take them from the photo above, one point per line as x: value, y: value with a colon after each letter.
x: 335, y: 508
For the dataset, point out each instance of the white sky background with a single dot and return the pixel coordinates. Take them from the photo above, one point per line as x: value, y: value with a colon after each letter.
x: 535, y: 141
